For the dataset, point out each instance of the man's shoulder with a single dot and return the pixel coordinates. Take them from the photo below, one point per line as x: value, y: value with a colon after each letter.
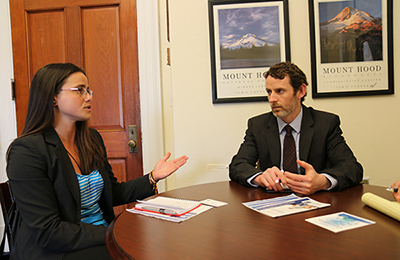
x: 261, y: 117
x: 315, y: 113
x: 319, y: 118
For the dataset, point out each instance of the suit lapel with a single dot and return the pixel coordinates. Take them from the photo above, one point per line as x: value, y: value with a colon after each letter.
x: 51, y: 137
x: 273, y: 140
x: 307, y: 132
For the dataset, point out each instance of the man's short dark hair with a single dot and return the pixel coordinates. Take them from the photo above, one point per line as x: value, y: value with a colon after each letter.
x: 296, y: 75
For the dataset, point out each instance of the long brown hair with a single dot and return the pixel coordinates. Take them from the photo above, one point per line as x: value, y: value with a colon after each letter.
x: 47, y: 83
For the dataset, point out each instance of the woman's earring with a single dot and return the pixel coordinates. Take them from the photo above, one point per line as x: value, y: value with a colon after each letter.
x: 54, y: 103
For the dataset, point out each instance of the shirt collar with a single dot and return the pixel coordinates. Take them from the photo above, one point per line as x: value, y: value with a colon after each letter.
x: 295, y: 124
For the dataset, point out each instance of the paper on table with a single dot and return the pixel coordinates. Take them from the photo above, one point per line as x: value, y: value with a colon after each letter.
x: 390, y: 208
x: 284, y: 205
x: 213, y: 203
x: 178, y: 206
x: 338, y: 222
x: 177, y: 219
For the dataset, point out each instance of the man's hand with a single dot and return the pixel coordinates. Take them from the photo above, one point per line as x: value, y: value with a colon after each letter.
x: 309, y: 183
x: 271, y: 179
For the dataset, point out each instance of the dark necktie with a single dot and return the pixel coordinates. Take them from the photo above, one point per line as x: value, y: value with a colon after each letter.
x: 289, y: 151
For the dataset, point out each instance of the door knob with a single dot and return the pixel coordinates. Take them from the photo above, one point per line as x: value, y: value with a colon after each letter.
x: 132, y: 137
x: 132, y: 144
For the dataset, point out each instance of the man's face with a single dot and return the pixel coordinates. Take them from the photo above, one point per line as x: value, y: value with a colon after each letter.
x: 285, y: 104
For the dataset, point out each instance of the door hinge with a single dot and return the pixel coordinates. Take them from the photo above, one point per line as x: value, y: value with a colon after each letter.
x: 12, y: 89
x: 168, y: 57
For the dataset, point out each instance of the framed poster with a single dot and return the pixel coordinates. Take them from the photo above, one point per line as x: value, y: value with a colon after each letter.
x: 351, y: 47
x: 246, y: 37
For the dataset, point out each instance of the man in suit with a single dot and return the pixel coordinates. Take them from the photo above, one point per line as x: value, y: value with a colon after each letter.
x: 324, y: 160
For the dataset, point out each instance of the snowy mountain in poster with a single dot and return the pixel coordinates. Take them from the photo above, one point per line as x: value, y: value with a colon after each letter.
x: 352, y: 35
x: 249, y: 36
x: 249, y: 41
x: 249, y: 51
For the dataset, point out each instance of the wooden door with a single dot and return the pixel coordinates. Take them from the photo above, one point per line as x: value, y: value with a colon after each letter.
x: 99, y: 36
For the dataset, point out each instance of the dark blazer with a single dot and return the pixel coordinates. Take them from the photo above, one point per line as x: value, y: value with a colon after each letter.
x: 47, y: 196
x: 321, y: 145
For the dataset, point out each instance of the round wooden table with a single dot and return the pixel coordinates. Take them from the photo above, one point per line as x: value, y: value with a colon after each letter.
x: 236, y: 232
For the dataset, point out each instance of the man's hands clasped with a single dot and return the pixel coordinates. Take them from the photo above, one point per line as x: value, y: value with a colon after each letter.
x: 273, y: 179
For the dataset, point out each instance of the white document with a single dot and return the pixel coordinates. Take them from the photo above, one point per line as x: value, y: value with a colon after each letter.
x: 167, y: 217
x: 340, y: 221
x: 213, y: 203
x: 167, y: 205
x: 284, y: 205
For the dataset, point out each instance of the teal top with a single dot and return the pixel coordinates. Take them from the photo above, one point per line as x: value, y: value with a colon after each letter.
x: 91, y: 187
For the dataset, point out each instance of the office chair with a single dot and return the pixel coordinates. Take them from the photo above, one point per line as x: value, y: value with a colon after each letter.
x: 6, y: 201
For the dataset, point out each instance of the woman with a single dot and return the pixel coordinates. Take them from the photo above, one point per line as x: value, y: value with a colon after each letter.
x: 58, y: 171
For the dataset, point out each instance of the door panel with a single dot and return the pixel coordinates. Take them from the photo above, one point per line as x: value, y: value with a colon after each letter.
x: 99, y: 36
x: 102, y: 58
x: 46, y: 38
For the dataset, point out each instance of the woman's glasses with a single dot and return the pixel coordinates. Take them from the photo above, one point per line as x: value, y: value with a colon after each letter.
x: 81, y: 91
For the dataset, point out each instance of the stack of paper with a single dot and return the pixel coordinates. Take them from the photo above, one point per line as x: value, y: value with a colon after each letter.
x: 285, y: 205
x: 169, y: 206
x: 171, y: 209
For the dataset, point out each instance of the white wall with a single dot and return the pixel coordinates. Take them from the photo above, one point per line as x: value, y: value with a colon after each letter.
x: 211, y: 134
x: 7, y: 107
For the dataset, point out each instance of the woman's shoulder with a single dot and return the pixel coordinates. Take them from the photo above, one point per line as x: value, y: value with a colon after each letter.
x: 29, y: 145
x: 29, y: 139
x: 38, y: 140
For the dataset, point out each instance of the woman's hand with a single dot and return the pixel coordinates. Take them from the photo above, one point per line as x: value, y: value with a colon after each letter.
x: 164, y: 169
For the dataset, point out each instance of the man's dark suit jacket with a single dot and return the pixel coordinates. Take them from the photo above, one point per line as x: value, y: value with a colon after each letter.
x: 321, y: 145
x: 47, y: 195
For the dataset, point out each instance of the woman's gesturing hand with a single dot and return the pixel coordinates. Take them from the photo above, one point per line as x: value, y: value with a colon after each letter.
x: 164, y: 168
